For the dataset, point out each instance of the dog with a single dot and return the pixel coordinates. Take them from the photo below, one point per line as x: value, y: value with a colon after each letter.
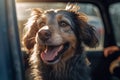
x: 55, y: 41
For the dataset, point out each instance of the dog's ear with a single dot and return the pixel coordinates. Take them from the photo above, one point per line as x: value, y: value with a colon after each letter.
x: 88, y: 33
x: 89, y: 36
x: 31, y: 29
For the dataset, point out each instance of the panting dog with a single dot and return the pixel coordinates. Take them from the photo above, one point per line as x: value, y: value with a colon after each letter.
x: 54, y: 40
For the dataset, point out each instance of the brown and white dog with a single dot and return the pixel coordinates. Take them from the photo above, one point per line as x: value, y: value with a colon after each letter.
x: 54, y: 41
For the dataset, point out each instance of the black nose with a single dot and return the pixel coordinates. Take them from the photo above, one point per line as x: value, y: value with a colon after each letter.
x: 44, y: 35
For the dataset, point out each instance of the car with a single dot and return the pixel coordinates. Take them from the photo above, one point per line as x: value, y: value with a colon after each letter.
x: 104, y: 14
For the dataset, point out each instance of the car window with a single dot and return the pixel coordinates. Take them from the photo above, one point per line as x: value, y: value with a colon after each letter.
x: 115, y: 16
x: 94, y: 17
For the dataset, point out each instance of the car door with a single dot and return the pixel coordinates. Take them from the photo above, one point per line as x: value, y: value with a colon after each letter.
x: 11, y: 67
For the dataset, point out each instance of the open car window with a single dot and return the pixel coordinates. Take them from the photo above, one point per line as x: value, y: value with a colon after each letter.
x: 94, y: 17
x: 115, y: 17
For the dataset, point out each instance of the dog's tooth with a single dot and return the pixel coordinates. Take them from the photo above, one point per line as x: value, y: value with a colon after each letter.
x: 45, y: 50
x: 60, y: 48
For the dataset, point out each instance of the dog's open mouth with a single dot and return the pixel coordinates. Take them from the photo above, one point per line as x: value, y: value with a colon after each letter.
x: 52, y: 54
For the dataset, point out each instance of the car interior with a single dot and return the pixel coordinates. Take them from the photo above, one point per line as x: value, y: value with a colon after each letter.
x: 103, y: 14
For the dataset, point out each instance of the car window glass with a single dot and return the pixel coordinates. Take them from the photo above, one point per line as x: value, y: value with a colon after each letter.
x: 115, y: 16
x: 90, y: 10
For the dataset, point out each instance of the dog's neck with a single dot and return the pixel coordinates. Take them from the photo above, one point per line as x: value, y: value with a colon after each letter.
x: 70, y: 70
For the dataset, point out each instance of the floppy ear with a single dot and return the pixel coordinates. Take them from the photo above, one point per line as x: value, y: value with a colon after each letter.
x: 31, y: 29
x: 88, y: 34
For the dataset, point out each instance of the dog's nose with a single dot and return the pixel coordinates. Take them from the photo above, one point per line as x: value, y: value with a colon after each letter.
x: 44, y: 35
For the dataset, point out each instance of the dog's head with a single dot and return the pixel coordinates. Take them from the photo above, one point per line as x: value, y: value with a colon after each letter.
x: 58, y: 33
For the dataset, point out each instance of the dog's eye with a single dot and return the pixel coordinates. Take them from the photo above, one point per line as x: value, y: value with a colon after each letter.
x: 42, y: 24
x: 63, y: 24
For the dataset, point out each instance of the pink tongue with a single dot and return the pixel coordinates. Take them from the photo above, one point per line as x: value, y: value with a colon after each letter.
x: 50, y: 53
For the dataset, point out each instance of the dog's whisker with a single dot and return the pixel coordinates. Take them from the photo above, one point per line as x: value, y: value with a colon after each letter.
x: 31, y: 38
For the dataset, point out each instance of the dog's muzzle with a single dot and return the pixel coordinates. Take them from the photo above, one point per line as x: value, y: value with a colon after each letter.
x: 53, y: 52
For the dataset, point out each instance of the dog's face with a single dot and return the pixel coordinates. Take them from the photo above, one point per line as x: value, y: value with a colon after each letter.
x: 53, y: 31
x: 55, y: 34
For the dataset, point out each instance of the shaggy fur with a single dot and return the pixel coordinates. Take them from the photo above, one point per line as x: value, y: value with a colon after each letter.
x: 49, y: 32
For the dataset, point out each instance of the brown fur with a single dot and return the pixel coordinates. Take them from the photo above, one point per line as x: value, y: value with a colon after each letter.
x: 51, y: 20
